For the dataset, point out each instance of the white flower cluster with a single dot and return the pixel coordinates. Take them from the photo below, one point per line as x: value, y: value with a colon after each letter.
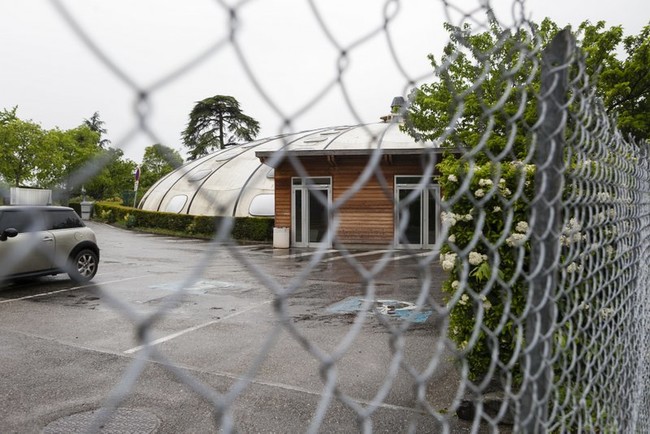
x: 601, y: 217
x: 486, y: 303
x: 573, y: 267
x: 522, y: 227
x: 603, y: 197
x: 464, y: 301
x: 449, y: 218
x: 448, y: 260
x: 516, y: 240
x: 487, y: 184
x: 475, y: 258
x: 452, y: 178
x: 606, y: 312
x: 571, y: 233
x: 519, y: 238
x: 528, y: 168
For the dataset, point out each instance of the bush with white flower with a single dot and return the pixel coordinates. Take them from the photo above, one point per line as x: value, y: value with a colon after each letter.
x: 487, y: 285
x: 491, y: 288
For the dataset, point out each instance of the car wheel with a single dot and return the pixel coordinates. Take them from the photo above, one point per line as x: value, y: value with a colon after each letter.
x: 83, y: 266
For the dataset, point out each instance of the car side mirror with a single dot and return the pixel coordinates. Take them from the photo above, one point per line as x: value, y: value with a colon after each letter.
x: 8, y: 233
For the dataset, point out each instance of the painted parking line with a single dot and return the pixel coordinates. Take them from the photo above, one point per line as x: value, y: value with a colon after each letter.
x: 356, y: 255
x: 396, y: 257
x: 302, y: 255
x: 413, y: 255
x: 74, y: 288
x: 192, y: 329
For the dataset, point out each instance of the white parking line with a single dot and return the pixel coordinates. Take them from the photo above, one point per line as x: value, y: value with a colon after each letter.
x: 396, y: 257
x: 302, y: 255
x: 74, y: 288
x: 355, y: 255
x: 413, y: 255
x: 191, y: 329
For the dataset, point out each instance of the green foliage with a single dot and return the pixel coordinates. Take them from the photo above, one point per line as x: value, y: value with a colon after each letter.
x: 481, y: 101
x: 158, y: 161
x: 624, y: 84
x: 486, y: 302
x: 62, y: 159
x: 23, y: 153
x: 115, y: 175
x: 97, y: 125
x: 8, y: 115
x: 211, y: 120
x: 68, y: 152
x: 130, y: 220
x: 244, y: 228
x: 253, y: 229
x: 483, y: 104
x: 479, y: 74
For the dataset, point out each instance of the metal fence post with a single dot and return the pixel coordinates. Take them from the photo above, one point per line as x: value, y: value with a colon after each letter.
x: 546, y: 224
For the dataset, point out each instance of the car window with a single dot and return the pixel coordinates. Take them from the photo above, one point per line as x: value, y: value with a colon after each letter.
x: 63, y: 220
x: 22, y: 220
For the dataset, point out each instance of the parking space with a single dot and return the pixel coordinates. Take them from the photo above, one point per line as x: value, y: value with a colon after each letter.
x: 66, y: 348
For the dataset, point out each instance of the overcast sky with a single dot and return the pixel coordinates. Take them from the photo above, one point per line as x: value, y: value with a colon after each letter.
x: 57, y: 81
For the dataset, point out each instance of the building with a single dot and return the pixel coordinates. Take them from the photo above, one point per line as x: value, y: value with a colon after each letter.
x: 318, y: 180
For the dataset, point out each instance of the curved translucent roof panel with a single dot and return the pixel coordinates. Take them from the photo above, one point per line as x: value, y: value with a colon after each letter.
x: 230, y: 182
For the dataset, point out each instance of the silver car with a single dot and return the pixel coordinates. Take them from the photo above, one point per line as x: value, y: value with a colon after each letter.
x: 46, y: 240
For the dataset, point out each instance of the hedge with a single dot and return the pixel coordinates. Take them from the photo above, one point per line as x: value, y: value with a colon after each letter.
x: 244, y: 228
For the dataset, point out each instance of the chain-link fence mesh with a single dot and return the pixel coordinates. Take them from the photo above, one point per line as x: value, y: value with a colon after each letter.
x: 539, y: 278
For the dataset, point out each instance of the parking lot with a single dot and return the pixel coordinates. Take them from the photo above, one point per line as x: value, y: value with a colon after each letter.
x: 226, y: 344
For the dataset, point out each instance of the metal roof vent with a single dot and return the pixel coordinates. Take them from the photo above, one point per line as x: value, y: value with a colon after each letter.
x: 397, y: 104
x: 396, y: 108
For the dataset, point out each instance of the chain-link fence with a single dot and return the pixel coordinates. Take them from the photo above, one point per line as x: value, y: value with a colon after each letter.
x: 542, y: 247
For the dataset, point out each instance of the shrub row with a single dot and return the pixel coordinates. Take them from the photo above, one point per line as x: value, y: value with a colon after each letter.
x: 244, y: 228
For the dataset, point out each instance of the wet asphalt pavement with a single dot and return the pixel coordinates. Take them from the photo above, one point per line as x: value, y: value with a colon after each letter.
x: 66, y: 351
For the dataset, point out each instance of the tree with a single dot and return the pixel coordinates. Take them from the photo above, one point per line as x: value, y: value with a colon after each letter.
x: 97, y: 125
x: 8, y: 115
x: 75, y: 151
x: 484, y: 100
x: 115, y: 177
x: 64, y: 159
x: 158, y: 161
x: 22, y: 151
x: 211, y: 120
x: 624, y: 85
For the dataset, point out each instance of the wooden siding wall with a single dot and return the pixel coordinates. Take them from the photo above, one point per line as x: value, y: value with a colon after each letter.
x: 368, y: 216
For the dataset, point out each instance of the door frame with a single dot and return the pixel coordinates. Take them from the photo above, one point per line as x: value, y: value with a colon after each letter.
x: 427, y: 193
x: 306, y: 187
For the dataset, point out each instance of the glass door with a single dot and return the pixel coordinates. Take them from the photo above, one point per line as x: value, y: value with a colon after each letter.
x: 416, y: 212
x: 311, y: 200
x: 410, y: 215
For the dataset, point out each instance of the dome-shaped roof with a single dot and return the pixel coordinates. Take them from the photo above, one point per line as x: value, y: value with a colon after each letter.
x: 234, y: 182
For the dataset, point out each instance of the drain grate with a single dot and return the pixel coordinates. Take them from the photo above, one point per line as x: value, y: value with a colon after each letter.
x: 123, y: 421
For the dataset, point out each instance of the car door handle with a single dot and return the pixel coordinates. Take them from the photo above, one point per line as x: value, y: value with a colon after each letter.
x: 48, y: 238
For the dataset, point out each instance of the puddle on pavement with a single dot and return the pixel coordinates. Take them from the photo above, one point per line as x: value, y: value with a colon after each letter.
x: 393, y: 308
